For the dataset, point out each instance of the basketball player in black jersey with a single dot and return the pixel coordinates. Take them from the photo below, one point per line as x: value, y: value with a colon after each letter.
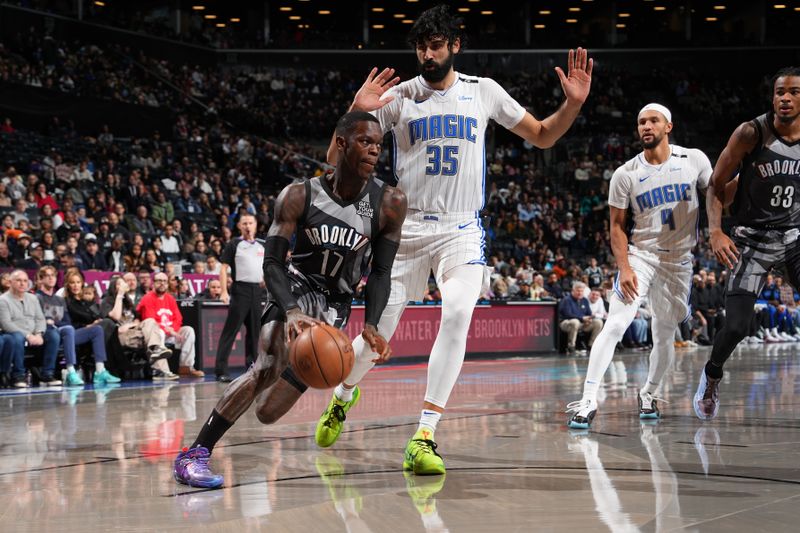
x: 765, y: 152
x: 340, y: 222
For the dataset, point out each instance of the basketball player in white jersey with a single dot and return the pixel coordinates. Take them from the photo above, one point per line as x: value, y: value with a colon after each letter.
x: 660, y: 186
x: 438, y: 121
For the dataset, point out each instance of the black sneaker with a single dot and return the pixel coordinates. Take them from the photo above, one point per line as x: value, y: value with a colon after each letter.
x: 159, y: 352
x: 48, y: 380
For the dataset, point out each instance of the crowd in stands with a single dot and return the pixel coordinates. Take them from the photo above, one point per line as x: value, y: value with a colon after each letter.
x: 165, y: 205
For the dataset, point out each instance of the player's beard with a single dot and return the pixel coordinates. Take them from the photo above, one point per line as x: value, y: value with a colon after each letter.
x: 439, y: 72
x: 652, y: 144
x: 787, y: 120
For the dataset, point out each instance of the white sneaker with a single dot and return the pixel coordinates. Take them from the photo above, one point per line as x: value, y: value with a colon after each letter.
x: 585, y: 410
x: 785, y: 336
x: 769, y: 337
x: 691, y: 344
x: 756, y: 340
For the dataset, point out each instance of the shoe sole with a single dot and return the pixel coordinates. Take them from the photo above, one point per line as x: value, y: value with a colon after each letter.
x: 697, y: 409
x: 649, y: 416
x: 582, y: 425
x: 197, y: 485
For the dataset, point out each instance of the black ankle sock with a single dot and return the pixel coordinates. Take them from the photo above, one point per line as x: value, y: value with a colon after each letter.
x: 713, y: 371
x: 213, y: 430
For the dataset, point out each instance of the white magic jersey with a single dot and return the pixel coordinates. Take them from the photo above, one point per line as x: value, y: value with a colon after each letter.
x: 439, y: 143
x: 663, y: 199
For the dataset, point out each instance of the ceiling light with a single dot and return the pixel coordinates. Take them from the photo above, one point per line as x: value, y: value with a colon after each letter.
x: 624, y: 15
x: 285, y: 8
x: 399, y: 15
x: 487, y: 12
x: 295, y: 17
x: 659, y: 8
x: 210, y: 17
x: 236, y: 19
x: 574, y: 9
x: 473, y: 1
x: 377, y: 26
x: 779, y: 6
x: 572, y: 21
x: 620, y: 25
x: 711, y: 19
x: 412, y: 1
x: 198, y: 8
x: 544, y: 12
x: 220, y: 25
x: 378, y: 9
x: 324, y: 11
x: 539, y: 26
x: 101, y: 4
x: 463, y: 9
x: 719, y: 8
x: 407, y: 21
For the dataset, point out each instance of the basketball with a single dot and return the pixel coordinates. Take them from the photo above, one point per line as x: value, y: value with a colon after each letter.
x: 322, y: 356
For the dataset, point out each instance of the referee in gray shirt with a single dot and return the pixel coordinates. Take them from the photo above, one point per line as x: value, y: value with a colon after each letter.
x: 245, y: 255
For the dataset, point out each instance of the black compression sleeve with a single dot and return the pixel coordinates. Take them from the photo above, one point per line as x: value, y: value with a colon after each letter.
x: 379, y: 282
x: 275, y: 251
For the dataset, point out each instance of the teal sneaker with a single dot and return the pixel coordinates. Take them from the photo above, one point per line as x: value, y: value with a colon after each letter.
x: 421, y: 457
x: 73, y: 380
x: 332, y: 420
x: 104, y: 377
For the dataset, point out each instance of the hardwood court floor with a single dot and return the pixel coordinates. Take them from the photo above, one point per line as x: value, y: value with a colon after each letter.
x: 101, y: 459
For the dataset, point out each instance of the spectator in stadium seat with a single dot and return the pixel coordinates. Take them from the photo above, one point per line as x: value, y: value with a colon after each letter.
x: 140, y: 223
x: 170, y: 243
x: 212, y: 292
x: 575, y: 314
x: 186, y: 203
x: 213, y: 266
x: 6, y: 261
x: 134, y: 260
x: 91, y: 258
x: 553, y: 286
x: 159, y: 305
x: 162, y: 210
x: 115, y: 256
x: 58, y: 318
x: 20, y: 312
x: 35, y: 258
x: 43, y: 197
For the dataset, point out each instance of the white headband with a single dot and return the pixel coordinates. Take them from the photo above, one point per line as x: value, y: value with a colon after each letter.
x: 657, y: 107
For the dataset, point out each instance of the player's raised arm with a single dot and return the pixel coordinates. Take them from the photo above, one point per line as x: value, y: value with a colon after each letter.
x: 368, y: 98
x: 393, y: 213
x: 289, y: 208
x: 741, y: 143
x: 576, y: 84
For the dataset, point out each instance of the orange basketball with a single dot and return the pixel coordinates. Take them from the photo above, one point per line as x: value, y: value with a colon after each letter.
x: 321, y: 356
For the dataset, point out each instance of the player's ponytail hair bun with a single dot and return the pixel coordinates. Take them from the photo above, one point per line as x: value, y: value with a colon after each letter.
x: 437, y: 21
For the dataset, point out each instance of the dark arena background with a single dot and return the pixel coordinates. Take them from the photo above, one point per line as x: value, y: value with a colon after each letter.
x: 135, y: 135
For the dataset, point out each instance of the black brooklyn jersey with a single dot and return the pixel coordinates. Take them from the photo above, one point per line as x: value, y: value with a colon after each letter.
x: 768, y: 194
x: 332, y: 248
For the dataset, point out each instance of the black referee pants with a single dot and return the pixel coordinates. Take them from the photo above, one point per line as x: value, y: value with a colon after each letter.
x: 244, y: 308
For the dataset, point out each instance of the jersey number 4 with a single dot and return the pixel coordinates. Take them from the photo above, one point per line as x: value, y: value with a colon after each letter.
x: 667, y: 219
x: 782, y: 196
x: 442, y: 160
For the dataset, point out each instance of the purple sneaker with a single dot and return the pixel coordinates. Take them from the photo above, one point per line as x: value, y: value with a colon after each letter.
x: 191, y: 468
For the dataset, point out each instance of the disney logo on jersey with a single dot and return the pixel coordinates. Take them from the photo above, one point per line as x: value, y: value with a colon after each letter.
x: 786, y: 167
x: 669, y: 193
x: 443, y: 127
x: 328, y: 234
x: 364, y: 209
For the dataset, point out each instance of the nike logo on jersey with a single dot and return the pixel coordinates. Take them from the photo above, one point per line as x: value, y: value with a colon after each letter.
x: 644, y: 178
x: 420, y: 101
x: 462, y: 226
x: 686, y: 262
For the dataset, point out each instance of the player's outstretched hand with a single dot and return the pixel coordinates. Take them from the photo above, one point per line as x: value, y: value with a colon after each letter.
x: 723, y: 248
x: 368, y: 97
x: 578, y: 79
x: 377, y: 343
x: 628, y: 284
x: 296, y: 322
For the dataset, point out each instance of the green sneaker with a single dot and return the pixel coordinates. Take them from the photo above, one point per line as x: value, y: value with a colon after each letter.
x: 104, y: 377
x: 421, y: 456
x: 423, y: 491
x: 330, y: 423
x: 73, y: 380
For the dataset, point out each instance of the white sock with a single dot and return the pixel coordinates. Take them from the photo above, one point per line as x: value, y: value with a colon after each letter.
x: 343, y: 393
x: 428, y: 419
x: 99, y: 367
x: 620, y: 316
x: 70, y: 368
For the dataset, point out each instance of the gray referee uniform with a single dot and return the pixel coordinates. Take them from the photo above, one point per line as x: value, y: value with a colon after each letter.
x: 246, y: 259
